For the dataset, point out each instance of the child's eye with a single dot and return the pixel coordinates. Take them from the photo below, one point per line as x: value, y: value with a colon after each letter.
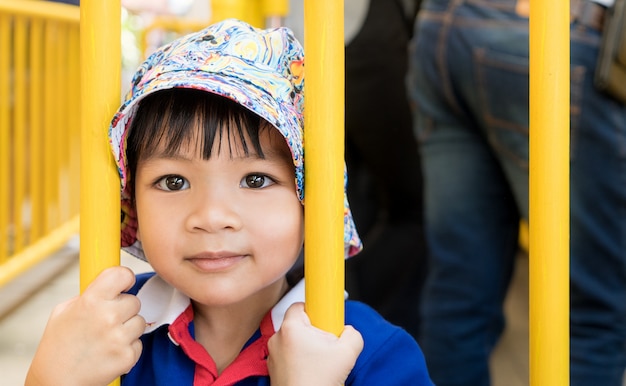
x: 172, y: 183
x: 256, y: 181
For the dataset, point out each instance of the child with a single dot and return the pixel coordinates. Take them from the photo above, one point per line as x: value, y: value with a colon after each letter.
x: 209, y: 148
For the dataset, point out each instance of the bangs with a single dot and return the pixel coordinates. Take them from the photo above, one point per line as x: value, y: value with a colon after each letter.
x: 168, y: 120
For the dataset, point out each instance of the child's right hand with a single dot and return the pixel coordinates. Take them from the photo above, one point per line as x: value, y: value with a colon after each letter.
x: 93, y: 338
x: 301, y: 354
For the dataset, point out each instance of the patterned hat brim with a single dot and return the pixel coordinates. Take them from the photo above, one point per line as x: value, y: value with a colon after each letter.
x: 257, y: 101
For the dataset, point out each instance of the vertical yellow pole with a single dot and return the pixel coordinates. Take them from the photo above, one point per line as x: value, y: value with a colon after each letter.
x: 73, y: 119
x: 5, y: 55
x: 246, y: 10
x: 100, y: 34
x: 62, y: 125
x: 101, y: 62
x: 49, y: 97
x: 324, y: 146
x: 20, y: 149
x: 36, y: 118
x: 549, y: 192
x: 275, y: 7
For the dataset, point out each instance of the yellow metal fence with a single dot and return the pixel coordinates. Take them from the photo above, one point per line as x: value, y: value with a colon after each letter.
x: 40, y: 148
x: 39, y: 131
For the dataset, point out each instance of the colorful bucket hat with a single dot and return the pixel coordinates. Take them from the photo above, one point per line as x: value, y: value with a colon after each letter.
x: 262, y: 70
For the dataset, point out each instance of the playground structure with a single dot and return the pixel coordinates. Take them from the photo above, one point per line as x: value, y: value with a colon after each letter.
x: 39, y: 132
x: 50, y: 110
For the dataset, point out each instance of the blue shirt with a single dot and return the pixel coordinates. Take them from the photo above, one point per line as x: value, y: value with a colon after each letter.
x: 172, y: 357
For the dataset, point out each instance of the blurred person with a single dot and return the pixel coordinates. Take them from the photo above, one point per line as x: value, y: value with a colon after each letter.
x: 469, y: 81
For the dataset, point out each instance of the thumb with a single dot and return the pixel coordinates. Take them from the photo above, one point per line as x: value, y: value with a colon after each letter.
x: 352, y: 338
x: 296, y: 313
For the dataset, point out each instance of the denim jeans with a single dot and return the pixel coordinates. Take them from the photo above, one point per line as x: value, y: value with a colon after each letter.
x: 468, y: 80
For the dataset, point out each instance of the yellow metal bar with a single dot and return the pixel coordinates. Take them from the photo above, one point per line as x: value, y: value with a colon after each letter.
x: 224, y: 9
x: 37, y: 252
x: 100, y: 47
x: 274, y: 12
x: 5, y: 55
x: 41, y: 9
x: 48, y: 122
x: 324, y: 128
x: 101, y: 62
x: 35, y: 129
x: 275, y: 7
x: 246, y: 10
x: 523, y: 235
x: 72, y: 112
x: 61, y: 127
x: 19, y: 165
x: 549, y: 192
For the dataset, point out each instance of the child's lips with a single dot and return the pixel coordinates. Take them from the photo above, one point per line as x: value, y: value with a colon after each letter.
x: 215, y: 261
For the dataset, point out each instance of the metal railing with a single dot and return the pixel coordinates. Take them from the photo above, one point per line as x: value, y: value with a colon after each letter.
x: 39, y: 131
x: 259, y: 13
x: 40, y: 140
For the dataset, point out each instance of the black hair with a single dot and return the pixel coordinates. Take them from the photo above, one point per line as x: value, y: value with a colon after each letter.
x: 168, y: 119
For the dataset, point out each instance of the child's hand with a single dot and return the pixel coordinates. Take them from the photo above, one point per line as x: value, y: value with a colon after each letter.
x: 93, y: 338
x: 301, y: 354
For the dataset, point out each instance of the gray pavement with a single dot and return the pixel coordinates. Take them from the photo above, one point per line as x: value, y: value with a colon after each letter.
x: 23, y: 325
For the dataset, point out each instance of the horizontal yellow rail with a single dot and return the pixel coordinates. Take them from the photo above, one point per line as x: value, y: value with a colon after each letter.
x: 41, y: 9
x: 38, y: 251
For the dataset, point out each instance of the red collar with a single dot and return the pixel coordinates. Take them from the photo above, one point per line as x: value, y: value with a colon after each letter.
x: 252, y: 361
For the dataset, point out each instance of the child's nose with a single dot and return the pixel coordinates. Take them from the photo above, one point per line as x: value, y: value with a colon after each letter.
x: 213, y: 211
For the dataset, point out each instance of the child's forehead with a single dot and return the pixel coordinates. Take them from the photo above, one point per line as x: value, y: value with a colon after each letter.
x: 228, y: 141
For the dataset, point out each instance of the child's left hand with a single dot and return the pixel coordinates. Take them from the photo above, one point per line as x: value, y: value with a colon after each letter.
x: 301, y: 354
x: 92, y: 338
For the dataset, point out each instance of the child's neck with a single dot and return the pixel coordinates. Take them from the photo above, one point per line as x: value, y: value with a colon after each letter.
x: 224, y: 330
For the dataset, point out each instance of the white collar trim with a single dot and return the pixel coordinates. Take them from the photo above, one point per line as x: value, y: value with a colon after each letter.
x: 161, y: 303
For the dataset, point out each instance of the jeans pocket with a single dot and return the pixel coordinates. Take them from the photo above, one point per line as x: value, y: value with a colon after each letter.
x: 502, y: 93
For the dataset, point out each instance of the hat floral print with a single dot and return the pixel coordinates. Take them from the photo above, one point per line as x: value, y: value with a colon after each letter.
x: 262, y: 70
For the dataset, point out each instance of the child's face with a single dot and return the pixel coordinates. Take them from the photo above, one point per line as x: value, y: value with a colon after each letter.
x: 222, y: 230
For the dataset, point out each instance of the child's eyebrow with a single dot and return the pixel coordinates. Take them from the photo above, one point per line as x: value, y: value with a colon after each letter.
x: 168, y: 156
x: 269, y: 154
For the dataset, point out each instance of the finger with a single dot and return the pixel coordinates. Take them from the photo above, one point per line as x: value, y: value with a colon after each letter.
x: 129, y: 302
x: 352, y: 338
x: 61, y: 307
x: 136, y: 347
x: 135, y: 327
x: 296, y: 312
x: 127, y: 306
x: 111, y: 282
